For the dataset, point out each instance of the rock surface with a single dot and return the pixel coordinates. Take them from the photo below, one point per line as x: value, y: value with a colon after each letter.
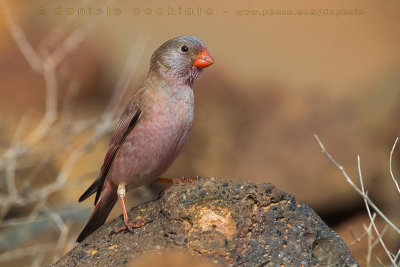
x: 231, y: 223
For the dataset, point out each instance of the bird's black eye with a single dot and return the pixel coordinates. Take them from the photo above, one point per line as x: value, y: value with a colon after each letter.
x: 184, y: 48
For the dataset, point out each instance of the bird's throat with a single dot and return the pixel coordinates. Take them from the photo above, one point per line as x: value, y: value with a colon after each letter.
x: 179, y: 77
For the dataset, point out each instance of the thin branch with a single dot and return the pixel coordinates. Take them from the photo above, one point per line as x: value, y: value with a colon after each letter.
x: 379, y: 260
x: 369, y: 248
x: 35, y: 219
x: 26, y: 251
x: 62, y: 227
x: 38, y: 260
x: 20, y: 154
x: 390, y: 166
x: 397, y: 256
x: 46, y: 67
x: 364, y: 234
x: 10, y: 157
x: 51, y: 85
x: 20, y: 39
x: 378, y: 211
x: 370, y: 216
x: 58, y: 32
x: 11, y: 166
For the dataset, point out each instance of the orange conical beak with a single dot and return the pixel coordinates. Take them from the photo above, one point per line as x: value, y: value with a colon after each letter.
x: 203, y: 59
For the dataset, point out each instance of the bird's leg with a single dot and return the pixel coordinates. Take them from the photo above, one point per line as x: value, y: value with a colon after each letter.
x: 177, y: 180
x: 128, y: 224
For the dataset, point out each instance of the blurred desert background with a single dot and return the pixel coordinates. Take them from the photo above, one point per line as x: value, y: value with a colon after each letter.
x: 277, y: 80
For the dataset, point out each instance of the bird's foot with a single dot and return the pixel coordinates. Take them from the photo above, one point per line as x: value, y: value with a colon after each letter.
x: 129, y: 225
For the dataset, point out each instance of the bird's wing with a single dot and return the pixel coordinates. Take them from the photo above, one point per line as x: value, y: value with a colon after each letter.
x: 127, y: 122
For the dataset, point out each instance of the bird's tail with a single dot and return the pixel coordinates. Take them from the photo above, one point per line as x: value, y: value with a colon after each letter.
x: 99, y: 214
x: 91, y: 190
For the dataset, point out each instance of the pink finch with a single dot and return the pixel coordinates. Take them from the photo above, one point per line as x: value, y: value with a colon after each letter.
x: 152, y: 129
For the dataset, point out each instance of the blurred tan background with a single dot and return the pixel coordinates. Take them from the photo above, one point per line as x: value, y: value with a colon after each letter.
x: 277, y: 80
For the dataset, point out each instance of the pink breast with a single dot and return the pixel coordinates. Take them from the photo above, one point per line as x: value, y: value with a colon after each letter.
x: 152, y: 146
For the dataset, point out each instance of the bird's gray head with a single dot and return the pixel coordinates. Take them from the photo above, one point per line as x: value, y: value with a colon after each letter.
x: 180, y: 60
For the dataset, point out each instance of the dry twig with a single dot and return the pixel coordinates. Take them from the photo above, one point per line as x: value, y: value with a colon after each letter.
x: 390, y: 166
x: 379, y: 236
x: 368, y: 203
x: 20, y: 154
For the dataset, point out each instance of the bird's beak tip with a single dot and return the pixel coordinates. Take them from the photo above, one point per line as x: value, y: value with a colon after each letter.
x: 203, y: 59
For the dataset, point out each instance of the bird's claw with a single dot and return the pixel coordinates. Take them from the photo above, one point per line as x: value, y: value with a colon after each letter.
x: 129, y: 225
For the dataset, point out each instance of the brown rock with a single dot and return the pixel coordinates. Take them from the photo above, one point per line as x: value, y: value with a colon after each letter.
x: 232, y: 223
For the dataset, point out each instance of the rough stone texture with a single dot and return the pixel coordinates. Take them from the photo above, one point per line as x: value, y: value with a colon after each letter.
x: 233, y: 223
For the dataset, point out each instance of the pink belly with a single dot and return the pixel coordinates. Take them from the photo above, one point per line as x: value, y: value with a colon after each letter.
x: 152, y: 146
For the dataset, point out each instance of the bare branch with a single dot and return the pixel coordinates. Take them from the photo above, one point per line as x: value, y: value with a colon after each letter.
x: 62, y: 227
x: 378, y: 211
x: 69, y: 44
x: 369, y: 248
x: 26, y: 251
x: 11, y: 166
x: 364, y: 234
x: 34, y: 219
x: 38, y: 260
x: 390, y: 165
x: 370, y: 216
x: 22, y: 154
x: 379, y: 260
x: 73, y: 40
x: 59, y: 31
x: 20, y: 39
x: 51, y: 113
x: 397, y: 256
